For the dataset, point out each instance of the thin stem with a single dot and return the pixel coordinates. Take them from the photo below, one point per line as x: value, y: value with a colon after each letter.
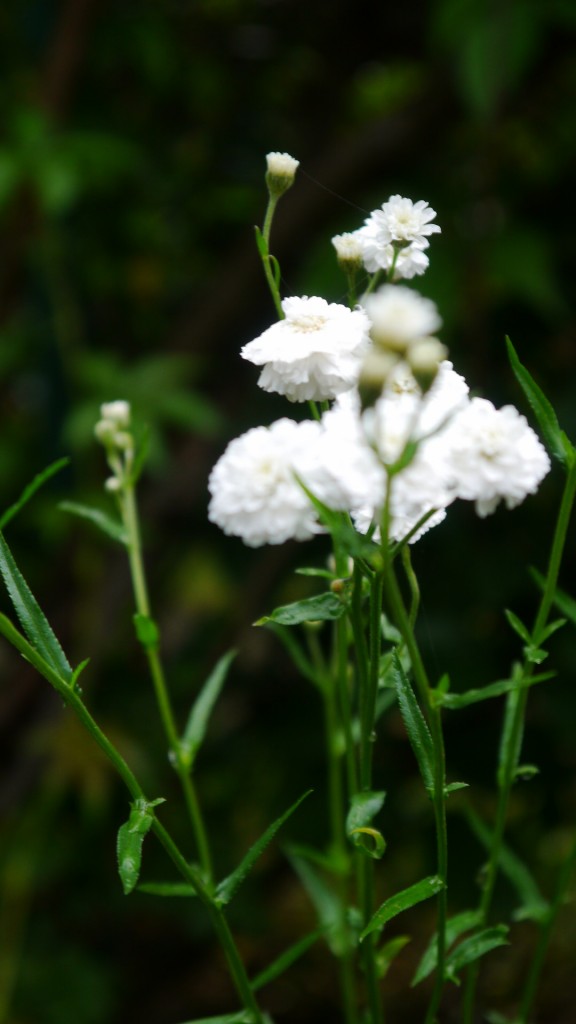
x: 130, y: 517
x: 515, y: 730
x: 266, y: 258
x: 433, y: 714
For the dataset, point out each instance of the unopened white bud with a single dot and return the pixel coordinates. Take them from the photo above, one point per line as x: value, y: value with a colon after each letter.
x: 104, y: 431
x: 281, y: 170
x: 123, y: 440
x: 112, y: 484
x: 424, y: 357
x: 118, y: 412
x: 348, y: 252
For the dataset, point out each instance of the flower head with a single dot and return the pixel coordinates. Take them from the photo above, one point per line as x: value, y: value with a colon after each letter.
x: 399, y: 316
x: 280, y: 173
x: 395, y: 236
x: 254, y: 486
x: 494, y: 455
x: 314, y: 354
x: 404, y: 221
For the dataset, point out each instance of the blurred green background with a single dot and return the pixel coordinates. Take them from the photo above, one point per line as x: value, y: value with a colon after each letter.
x: 132, y: 144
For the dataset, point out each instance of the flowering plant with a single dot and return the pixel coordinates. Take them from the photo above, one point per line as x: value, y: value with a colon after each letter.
x: 393, y: 439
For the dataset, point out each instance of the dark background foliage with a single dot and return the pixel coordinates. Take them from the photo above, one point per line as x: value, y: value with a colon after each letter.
x: 132, y: 146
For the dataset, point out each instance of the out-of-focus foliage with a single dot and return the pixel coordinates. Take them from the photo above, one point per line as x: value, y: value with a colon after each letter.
x: 132, y: 143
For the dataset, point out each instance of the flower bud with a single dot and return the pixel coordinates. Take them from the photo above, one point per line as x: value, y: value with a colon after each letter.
x: 112, y: 484
x: 281, y: 170
x: 104, y: 431
x: 118, y: 412
x: 348, y: 252
x: 424, y: 357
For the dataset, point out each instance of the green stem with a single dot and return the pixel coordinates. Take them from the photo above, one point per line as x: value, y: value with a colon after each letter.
x: 544, y: 937
x: 512, y: 733
x: 130, y: 518
x: 434, y: 717
x: 266, y: 228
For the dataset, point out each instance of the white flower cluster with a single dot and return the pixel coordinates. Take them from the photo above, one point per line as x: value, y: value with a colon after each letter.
x: 395, y: 237
x: 422, y: 444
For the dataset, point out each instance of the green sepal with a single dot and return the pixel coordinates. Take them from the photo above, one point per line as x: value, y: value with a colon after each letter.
x: 228, y: 886
x: 409, y: 897
x: 416, y: 727
x: 111, y: 527
x: 455, y: 927
x: 555, y: 439
x: 321, y: 608
x: 199, y: 716
x: 285, y: 960
x: 147, y: 631
x: 31, y: 488
x: 32, y: 618
x: 130, y: 839
x: 168, y: 889
x: 474, y: 947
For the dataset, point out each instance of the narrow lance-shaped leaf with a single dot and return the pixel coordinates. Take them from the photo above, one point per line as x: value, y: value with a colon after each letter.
x: 364, y: 807
x: 285, y: 960
x: 533, y: 905
x: 416, y: 727
x: 111, y: 527
x: 170, y: 889
x: 403, y: 901
x: 555, y: 439
x: 228, y: 886
x: 562, y: 600
x: 241, y: 1017
x: 453, y: 701
x: 474, y: 947
x: 323, y: 607
x: 14, y: 637
x: 130, y: 839
x: 30, y: 490
x: 455, y: 927
x: 326, y: 902
x: 32, y: 618
x: 202, y: 708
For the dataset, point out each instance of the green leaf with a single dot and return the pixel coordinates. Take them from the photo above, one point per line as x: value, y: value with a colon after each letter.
x: 33, y: 621
x: 533, y: 904
x: 326, y: 902
x: 324, y: 574
x: 525, y: 772
x: 549, y: 631
x: 562, y: 600
x: 261, y: 243
x: 364, y: 807
x: 199, y: 716
x: 518, y: 626
x: 77, y: 673
x: 130, y: 839
x: 304, y: 666
x: 403, y: 901
x: 322, y: 608
x: 388, y: 952
x: 453, y: 787
x: 472, y: 948
x: 147, y: 631
x: 31, y: 489
x: 555, y: 439
x: 510, y: 739
x: 416, y: 727
x: 241, y: 1017
x: 11, y: 634
x: 285, y: 960
x: 455, y: 927
x: 169, y: 889
x: 111, y: 527
x: 462, y: 700
x: 228, y: 886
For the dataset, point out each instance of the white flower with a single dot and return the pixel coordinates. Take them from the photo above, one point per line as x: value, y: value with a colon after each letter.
x: 341, y: 469
x: 282, y: 164
x: 315, y: 353
x: 495, y: 455
x: 348, y: 249
x: 404, y: 221
x: 399, y: 315
x: 254, y: 489
x: 395, y: 235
